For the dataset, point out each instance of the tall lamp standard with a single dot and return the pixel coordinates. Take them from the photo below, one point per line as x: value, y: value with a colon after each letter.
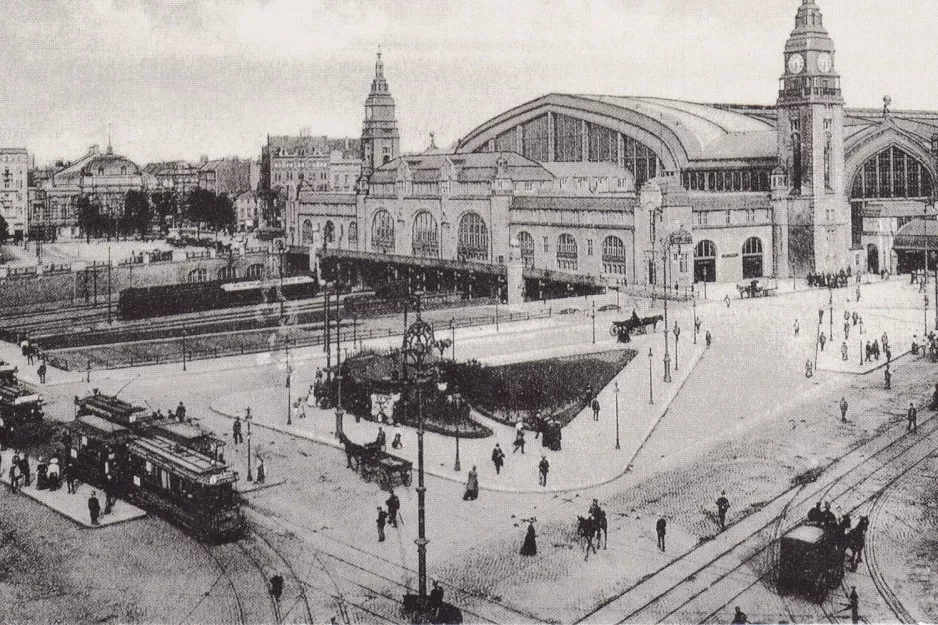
x: 286, y: 347
x: 651, y: 388
x: 616, y: 387
x: 666, y: 249
x: 677, y: 335
x: 247, y: 419
x: 693, y: 294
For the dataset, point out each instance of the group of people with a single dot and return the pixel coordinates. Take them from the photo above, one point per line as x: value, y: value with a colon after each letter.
x: 31, y: 352
x: 390, y: 516
x: 179, y: 415
x: 873, y: 349
x: 831, y: 280
x: 929, y: 346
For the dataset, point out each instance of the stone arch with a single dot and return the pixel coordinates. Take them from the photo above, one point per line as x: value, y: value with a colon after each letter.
x: 526, y: 243
x: 382, y: 232
x: 307, y: 232
x: 567, y: 253
x: 753, y: 258
x: 705, y: 261
x: 878, y: 143
x: 472, y: 238
x: 426, y: 235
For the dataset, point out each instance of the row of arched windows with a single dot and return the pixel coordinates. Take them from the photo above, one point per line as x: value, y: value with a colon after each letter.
x: 306, y: 232
x: 614, y: 254
x: 705, y: 260
x: 472, y: 236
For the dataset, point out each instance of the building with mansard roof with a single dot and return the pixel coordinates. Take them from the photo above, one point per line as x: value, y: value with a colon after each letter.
x: 584, y: 188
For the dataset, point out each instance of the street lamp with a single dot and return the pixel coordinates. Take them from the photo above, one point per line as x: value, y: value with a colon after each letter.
x: 616, y: 387
x: 247, y: 419
x: 593, y: 315
x: 693, y: 294
x: 677, y: 335
x: 286, y: 347
x: 651, y: 388
x: 664, y: 270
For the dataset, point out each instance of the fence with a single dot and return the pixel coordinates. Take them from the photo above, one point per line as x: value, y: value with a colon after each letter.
x: 236, y: 345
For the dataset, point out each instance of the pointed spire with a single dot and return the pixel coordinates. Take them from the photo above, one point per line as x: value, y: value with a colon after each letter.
x: 379, y: 65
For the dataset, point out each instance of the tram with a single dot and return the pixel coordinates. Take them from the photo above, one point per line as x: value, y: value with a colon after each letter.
x: 21, y: 410
x: 172, y: 469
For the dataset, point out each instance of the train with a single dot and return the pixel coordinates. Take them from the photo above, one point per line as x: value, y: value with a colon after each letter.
x: 21, y: 410
x: 175, y: 299
x: 172, y: 469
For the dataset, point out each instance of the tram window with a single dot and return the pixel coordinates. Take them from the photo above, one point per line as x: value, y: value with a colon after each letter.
x: 149, y: 467
x: 136, y: 481
x: 84, y: 441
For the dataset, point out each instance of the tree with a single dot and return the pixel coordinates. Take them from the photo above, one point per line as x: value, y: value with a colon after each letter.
x: 89, y: 216
x: 165, y: 205
x: 223, y: 213
x: 199, y: 205
x: 4, y: 230
x: 138, y: 214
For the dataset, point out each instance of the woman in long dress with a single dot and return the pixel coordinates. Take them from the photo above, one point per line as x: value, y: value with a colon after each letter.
x: 472, y: 486
x: 529, y: 548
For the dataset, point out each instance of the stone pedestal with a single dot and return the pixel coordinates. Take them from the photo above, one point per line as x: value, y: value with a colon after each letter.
x: 515, y: 278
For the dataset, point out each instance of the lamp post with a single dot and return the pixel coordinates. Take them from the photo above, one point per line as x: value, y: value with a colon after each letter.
x: 651, y: 388
x: 247, y: 419
x: 616, y: 387
x: 677, y: 335
x: 830, y: 335
x: 183, y: 347
x: 286, y: 347
x: 452, y: 330
x: 693, y: 294
x: 664, y: 270
x: 593, y: 316
x: 109, y: 284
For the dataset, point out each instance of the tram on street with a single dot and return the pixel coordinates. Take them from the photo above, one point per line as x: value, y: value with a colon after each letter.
x: 811, y: 560
x: 21, y: 409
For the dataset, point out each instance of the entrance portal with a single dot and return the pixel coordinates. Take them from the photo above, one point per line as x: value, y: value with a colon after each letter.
x: 752, y: 258
x: 705, y: 262
x: 872, y: 258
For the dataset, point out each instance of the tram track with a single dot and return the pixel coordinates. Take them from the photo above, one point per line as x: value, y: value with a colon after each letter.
x: 932, y: 426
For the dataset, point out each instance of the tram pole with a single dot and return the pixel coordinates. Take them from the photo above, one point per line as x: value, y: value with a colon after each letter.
x: 247, y: 420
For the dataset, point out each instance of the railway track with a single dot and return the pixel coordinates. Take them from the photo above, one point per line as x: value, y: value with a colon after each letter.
x: 645, y: 600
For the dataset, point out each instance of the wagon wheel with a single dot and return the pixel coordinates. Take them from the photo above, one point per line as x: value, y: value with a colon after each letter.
x: 613, y: 330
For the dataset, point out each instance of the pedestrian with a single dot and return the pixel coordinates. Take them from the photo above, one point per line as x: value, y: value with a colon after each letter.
x: 261, y: 471
x: 382, y: 519
x: 847, y: 330
x: 181, y: 412
x: 394, y: 504
x: 797, y: 328
x: 15, y: 473
x: 912, y: 416
x: 436, y: 601
x: 381, y: 441
x: 498, y: 458
x: 25, y: 469
x: 276, y: 587
x: 30, y: 354
x: 109, y: 501
x: 822, y: 339
x: 71, y: 478
x: 543, y: 467
x: 843, y: 351
x: 828, y: 518
x: 854, y: 600
x: 396, y: 443
x: 727, y: 300
x: 861, y: 324
x: 869, y: 351
x: 595, y: 406
x: 661, y: 527
x: 236, y: 431
x: 723, y: 504
x: 41, y: 372
x: 815, y: 514
x: 709, y: 338
x: 529, y: 547
x: 519, y: 442
x: 472, y: 486
x: 888, y: 375
x: 858, y: 291
x: 94, y: 507
x: 855, y: 318
x: 740, y: 617
x: 843, y: 409
x: 885, y: 340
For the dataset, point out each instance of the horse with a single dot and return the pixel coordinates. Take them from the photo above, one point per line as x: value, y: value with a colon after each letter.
x: 602, y: 527
x: 587, y: 528
x: 855, y: 540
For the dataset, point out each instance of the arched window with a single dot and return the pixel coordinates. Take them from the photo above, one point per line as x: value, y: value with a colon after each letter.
x: 473, y: 237
x: 526, y: 241
x: 198, y: 275
x: 752, y: 258
x: 566, y: 252
x: 426, y: 236
x: 353, y: 232
x: 893, y: 173
x: 255, y: 271
x: 329, y: 232
x: 613, y: 255
x: 307, y: 232
x: 228, y: 273
x: 382, y: 232
x: 705, y: 261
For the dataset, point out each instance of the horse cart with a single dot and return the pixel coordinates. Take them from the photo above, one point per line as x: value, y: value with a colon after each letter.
x: 635, y: 325
x: 755, y: 288
x: 373, y: 463
x: 811, y: 560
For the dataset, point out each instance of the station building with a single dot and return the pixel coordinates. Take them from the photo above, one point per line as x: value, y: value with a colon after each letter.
x: 582, y: 189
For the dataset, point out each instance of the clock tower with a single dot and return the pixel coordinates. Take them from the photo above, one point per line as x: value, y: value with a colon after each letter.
x: 815, y: 228
x: 380, y: 137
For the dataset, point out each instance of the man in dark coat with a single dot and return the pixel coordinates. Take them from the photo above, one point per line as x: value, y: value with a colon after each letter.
x: 543, y: 467
x: 236, y: 431
x: 912, y: 416
x: 723, y: 504
x: 94, y: 508
x: 661, y: 528
x: 382, y: 519
x: 843, y: 409
x: 393, y: 504
x: 181, y: 412
x: 595, y: 406
x: 815, y: 514
x: 498, y: 458
x: 529, y: 548
x: 828, y: 518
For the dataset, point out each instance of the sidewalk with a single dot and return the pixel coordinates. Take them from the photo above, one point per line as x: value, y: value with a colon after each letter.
x: 588, y: 457
x: 74, y: 506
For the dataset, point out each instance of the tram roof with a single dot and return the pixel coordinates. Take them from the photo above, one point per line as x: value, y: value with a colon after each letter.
x: 195, y: 466
x: 806, y: 534
x: 100, y: 424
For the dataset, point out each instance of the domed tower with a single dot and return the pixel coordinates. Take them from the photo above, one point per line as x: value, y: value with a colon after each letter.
x: 380, y: 137
x: 811, y: 147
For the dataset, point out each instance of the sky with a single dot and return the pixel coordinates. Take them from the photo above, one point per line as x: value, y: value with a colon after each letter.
x: 182, y: 78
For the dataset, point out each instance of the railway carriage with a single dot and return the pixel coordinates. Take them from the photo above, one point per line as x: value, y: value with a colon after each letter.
x: 21, y: 410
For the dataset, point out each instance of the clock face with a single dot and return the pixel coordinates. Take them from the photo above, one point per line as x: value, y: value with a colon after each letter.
x: 795, y: 64
x: 825, y: 62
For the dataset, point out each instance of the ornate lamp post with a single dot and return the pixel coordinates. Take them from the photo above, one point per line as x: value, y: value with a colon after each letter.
x: 616, y: 387
x: 679, y: 238
x: 286, y: 347
x: 418, y: 345
x: 593, y: 316
x: 693, y: 293
x: 677, y: 335
x: 247, y: 419
x: 664, y: 269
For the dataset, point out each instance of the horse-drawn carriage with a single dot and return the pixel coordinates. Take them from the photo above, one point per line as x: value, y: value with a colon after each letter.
x: 812, y: 557
x: 634, y: 325
x: 373, y: 463
x: 755, y: 288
